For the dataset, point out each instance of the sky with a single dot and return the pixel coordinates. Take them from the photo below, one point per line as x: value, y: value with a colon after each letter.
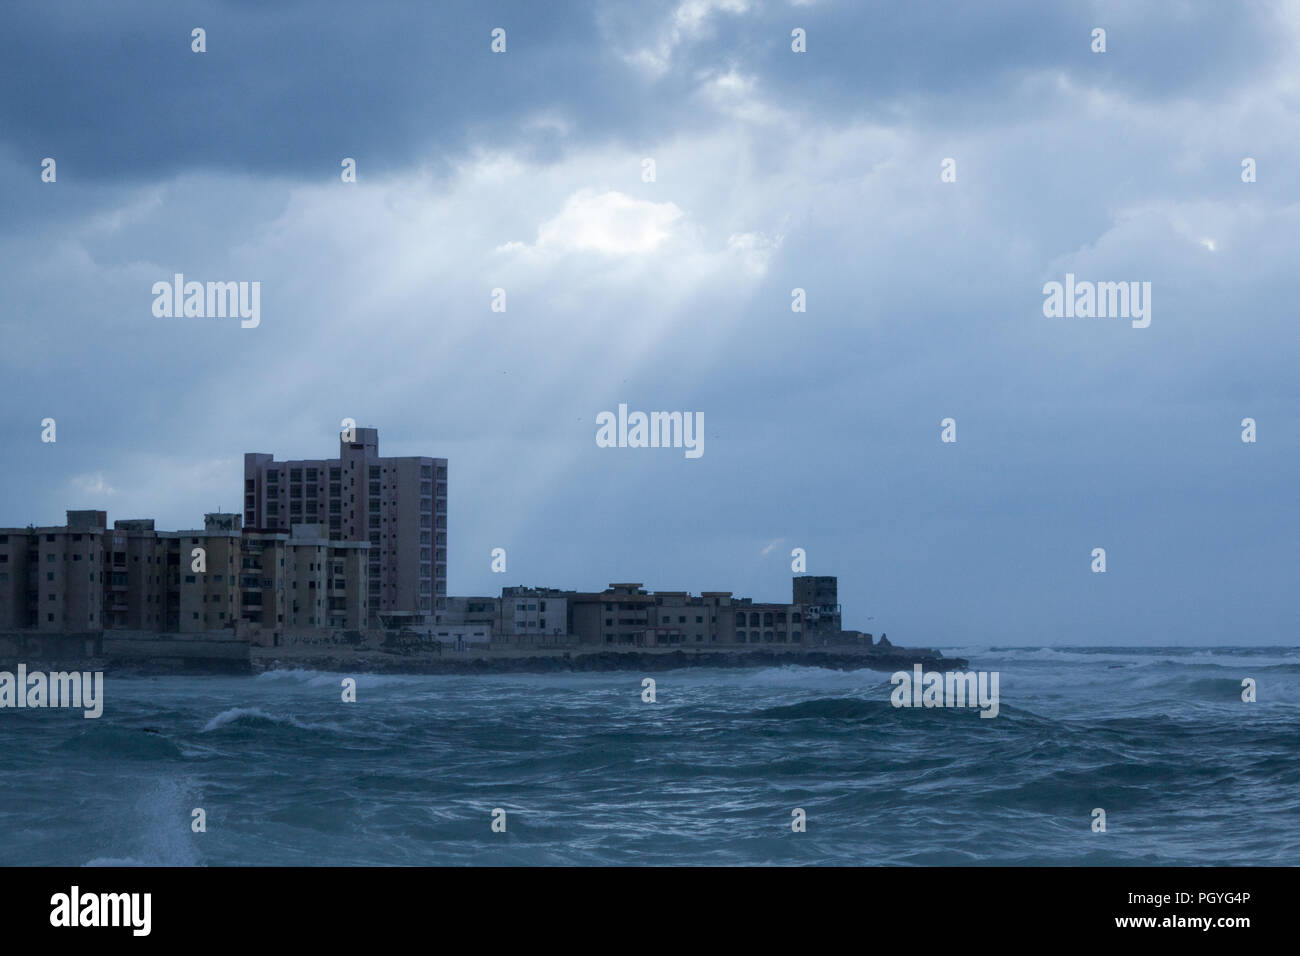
x: 774, y: 170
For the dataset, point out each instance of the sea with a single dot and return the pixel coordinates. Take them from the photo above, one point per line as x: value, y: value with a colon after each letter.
x: 726, y: 766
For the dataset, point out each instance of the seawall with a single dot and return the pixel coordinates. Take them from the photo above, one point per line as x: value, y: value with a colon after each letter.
x: 145, y: 653
x: 582, y: 660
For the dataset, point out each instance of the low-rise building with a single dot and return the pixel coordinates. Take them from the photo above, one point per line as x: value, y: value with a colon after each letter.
x: 626, y: 614
x: 533, y: 616
x: 617, y: 616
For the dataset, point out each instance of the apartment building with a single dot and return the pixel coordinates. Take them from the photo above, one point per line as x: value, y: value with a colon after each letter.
x: 200, y: 575
x: 683, y: 618
x: 619, y: 615
x: 302, y: 580
x: 14, y: 556
x: 187, y: 582
x: 398, y: 506
x: 626, y: 614
x: 135, y: 566
x: 532, y: 616
x: 52, y: 578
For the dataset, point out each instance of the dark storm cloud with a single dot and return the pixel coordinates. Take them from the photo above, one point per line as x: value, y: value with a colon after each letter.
x: 114, y: 91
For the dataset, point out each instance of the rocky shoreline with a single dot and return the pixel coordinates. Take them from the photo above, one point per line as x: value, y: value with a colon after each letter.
x: 167, y: 658
x: 893, y: 659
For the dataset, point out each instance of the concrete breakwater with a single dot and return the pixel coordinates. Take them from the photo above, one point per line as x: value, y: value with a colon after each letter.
x: 147, y: 653
x: 581, y: 660
x: 126, y: 652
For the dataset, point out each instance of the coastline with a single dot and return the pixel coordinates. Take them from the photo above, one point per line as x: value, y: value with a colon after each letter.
x: 558, y: 660
x: 374, y: 660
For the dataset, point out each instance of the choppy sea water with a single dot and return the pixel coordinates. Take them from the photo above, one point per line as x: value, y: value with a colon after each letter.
x: 587, y: 773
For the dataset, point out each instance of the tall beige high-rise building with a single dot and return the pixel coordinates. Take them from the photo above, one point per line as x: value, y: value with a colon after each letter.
x: 398, y: 505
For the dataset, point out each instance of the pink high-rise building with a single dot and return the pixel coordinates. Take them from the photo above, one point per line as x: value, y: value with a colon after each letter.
x: 398, y: 505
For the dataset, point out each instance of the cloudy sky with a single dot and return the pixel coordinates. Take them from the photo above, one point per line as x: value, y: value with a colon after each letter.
x: 774, y: 170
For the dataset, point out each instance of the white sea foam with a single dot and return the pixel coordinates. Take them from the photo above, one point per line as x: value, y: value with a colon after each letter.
x: 234, y: 713
x: 328, y: 678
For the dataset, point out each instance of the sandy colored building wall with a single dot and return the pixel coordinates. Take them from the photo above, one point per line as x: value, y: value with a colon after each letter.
x: 346, y: 595
x: 69, y: 586
x: 398, y: 505
x: 14, y: 544
x: 305, y: 594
